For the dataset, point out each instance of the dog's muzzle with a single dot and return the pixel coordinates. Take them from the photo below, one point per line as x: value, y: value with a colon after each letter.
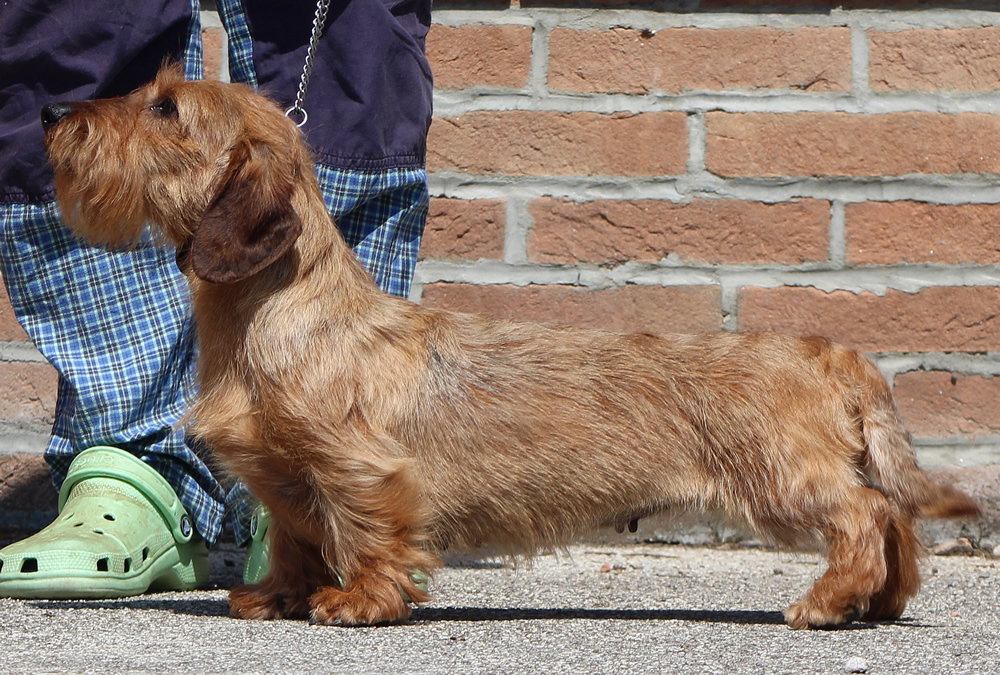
x: 53, y: 113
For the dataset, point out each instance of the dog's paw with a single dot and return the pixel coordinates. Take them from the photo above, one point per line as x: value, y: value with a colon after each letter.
x: 807, y: 614
x: 365, y: 604
x: 255, y: 601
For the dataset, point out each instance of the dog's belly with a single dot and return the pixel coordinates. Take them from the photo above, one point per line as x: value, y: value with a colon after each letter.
x: 517, y: 515
x: 515, y: 490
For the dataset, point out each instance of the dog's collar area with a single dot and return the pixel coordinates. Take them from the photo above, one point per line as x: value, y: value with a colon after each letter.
x: 183, y: 256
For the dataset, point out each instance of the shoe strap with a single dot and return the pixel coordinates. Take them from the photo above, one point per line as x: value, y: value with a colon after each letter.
x: 108, y: 462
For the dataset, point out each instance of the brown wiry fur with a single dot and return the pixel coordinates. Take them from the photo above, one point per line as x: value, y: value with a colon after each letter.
x: 380, y: 433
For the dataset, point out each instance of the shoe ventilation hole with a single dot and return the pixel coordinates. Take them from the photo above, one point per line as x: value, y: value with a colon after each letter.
x: 145, y: 554
x: 1, y: 565
x: 29, y: 565
x: 108, y: 516
x: 102, y: 565
x: 98, y: 531
x: 78, y: 525
x: 128, y: 565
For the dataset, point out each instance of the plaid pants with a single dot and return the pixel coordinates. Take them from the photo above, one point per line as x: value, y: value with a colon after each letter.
x: 117, y: 326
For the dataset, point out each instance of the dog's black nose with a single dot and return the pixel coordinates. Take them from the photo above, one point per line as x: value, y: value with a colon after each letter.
x: 53, y: 112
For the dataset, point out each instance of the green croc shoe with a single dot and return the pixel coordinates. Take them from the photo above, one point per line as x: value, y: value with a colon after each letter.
x: 259, y: 551
x: 259, y: 548
x: 121, y: 531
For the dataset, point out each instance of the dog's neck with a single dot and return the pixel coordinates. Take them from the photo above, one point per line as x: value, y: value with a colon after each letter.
x: 319, y: 279
x: 321, y: 257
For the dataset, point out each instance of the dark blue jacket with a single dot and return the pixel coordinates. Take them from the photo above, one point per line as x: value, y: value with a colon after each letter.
x: 369, y: 99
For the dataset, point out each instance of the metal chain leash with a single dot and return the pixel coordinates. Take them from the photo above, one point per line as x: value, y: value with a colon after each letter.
x: 297, y: 110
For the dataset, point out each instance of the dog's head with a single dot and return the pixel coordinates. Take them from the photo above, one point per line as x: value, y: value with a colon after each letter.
x: 212, y: 166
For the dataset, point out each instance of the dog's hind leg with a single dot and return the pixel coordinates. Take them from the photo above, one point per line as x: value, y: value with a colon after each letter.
x: 902, y: 582
x: 857, y: 533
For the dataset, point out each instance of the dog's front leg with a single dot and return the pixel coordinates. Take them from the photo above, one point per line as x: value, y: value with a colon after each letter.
x: 377, y: 519
x: 372, y: 596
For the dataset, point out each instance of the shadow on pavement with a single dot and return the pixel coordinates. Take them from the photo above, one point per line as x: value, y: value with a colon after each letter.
x: 189, y: 606
x: 564, y: 613
x: 425, y: 615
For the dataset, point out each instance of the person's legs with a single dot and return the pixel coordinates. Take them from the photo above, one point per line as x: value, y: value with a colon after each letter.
x: 382, y: 215
x: 116, y: 325
x: 118, y: 329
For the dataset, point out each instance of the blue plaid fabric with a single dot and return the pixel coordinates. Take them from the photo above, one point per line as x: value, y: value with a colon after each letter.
x: 382, y: 216
x: 118, y: 329
x: 240, y: 44
x: 194, y: 68
x: 117, y: 325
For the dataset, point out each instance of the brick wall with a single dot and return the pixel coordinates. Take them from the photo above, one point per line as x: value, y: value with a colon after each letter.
x: 786, y: 166
x: 27, y: 386
x: 687, y: 166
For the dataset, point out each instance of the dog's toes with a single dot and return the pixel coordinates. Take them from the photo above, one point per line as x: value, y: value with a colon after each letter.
x: 327, y: 607
x: 254, y: 601
x: 362, y: 605
x: 801, y: 616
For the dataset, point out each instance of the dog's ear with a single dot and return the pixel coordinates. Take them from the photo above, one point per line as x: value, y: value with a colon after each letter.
x: 250, y: 223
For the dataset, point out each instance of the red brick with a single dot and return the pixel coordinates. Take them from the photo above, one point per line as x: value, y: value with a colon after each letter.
x: 459, y: 229
x: 25, y: 487
x: 213, y: 44
x: 483, y: 56
x: 576, y: 4
x: 952, y: 318
x: 521, y: 142
x: 657, y: 309
x: 705, y: 230
x: 28, y: 394
x: 821, y: 5
x: 10, y: 329
x: 890, y: 233
x: 683, y: 59
x: 967, y: 59
x: 938, y: 404
x: 843, y: 144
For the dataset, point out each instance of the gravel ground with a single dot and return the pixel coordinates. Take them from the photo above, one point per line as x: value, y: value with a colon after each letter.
x: 593, y: 609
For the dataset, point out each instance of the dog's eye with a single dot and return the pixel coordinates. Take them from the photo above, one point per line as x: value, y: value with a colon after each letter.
x: 165, y: 108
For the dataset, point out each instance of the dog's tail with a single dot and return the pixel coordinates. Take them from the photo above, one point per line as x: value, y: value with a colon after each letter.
x: 889, y: 462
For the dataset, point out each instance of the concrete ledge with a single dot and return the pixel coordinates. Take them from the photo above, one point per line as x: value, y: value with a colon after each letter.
x: 23, y: 442
x: 28, y: 503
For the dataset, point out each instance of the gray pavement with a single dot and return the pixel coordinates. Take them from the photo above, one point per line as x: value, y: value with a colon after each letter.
x: 630, y: 608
